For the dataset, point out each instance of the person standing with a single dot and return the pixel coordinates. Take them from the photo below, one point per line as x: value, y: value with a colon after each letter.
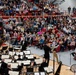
x: 47, y: 49
x: 69, y: 10
x: 24, y: 45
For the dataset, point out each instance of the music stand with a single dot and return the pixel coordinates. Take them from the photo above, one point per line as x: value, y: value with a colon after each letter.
x: 73, y: 68
x: 70, y: 56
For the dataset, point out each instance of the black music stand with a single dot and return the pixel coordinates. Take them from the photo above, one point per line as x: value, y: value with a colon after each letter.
x: 73, y: 68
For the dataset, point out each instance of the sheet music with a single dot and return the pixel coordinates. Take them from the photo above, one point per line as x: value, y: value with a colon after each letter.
x: 11, y: 53
x: 13, y: 73
x: 5, y: 56
x: 42, y: 73
x: 30, y: 56
x: 13, y: 65
x: 21, y: 57
x: 19, y: 62
x: 27, y: 62
x: 36, y: 73
x: 7, y: 60
x: 21, y: 53
x: 18, y: 47
x: 16, y: 57
x: 38, y: 61
x: 45, y: 68
x: 48, y: 69
x: 27, y: 52
x: 17, y: 53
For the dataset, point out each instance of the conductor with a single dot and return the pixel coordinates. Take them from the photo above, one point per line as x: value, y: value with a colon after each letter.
x: 47, y: 49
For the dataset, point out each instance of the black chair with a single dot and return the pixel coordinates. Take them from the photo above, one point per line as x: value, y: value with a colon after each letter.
x: 4, y: 49
x: 29, y: 69
x: 11, y: 49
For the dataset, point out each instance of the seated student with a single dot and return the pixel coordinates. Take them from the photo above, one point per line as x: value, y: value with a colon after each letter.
x: 23, y: 71
x: 7, y: 69
x: 3, y: 67
x: 24, y: 57
x: 3, y: 64
x: 24, y: 46
x: 31, y: 68
x: 43, y: 64
x: 10, y: 48
x: 20, y: 67
x: 32, y: 64
x: 19, y: 57
x: 13, y: 59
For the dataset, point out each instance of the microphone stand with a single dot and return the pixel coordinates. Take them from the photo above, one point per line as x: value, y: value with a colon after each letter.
x: 70, y: 57
x: 53, y: 65
x: 59, y: 57
x: 53, y: 62
x: 74, y: 73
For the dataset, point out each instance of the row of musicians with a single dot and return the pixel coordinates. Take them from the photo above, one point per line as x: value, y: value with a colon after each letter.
x: 17, y: 57
x: 5, y: 68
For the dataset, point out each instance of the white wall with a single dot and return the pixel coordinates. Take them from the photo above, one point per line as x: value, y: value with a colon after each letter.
x: 67, y: 3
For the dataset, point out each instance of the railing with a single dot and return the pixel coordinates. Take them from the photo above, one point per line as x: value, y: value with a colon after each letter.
x: 42, y: 16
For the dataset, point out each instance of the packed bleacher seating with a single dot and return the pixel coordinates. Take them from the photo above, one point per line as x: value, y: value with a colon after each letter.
x: 22, y: 27
x: 30, y: 23
x: 21, y: 7
x: 37, y: 31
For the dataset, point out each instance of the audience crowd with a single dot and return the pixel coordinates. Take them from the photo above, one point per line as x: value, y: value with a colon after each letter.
x: 58, y: 32
x: 30, y: 7
x: 27, y: 7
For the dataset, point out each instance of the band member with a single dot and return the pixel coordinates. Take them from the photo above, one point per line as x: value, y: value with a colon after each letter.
x: 24, y: 46
x: 43, y: 64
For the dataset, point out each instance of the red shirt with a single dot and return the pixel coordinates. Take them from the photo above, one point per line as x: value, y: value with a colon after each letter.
x: 43, y: 30
x: 19, y: 37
